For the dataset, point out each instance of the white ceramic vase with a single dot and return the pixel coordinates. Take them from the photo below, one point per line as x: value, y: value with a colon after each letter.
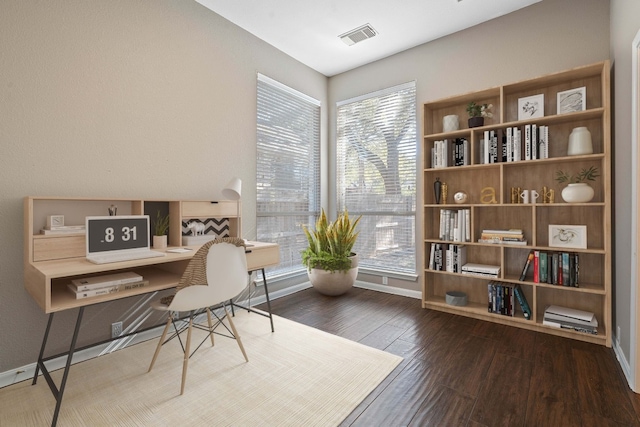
x: 580, y: 142
x: 577, y: 193
x: 450, y: 123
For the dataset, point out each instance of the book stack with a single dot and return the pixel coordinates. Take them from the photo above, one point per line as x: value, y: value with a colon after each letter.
x: 106, y: 284
x: 507, y: 237
x: 63, y: 229
x: 481, y: 270
x: 554, y: 268
x: 569, y: 318
x: 450, y: 152
x: 503, y: 297
x: 529, y: 143
x: 455, y: 225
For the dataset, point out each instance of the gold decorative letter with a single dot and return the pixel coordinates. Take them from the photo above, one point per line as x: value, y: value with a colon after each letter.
x: 488, y: 195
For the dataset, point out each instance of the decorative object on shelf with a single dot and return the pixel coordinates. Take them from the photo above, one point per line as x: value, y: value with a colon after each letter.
x: 488, y: 195
x: 531, y: 107
x: 572, y: 100
x: 577, y: 190
x: 233, y: 191
x: 450, y: 123
x: 445, y: 192
x: 113, y: 210
x: 548, y: 195
x: 533, y: 196
x: 456, y: 298
x: 331, y: 265
x: 477, y: 113
x: 529, y: 196
x: 524, y: 196
x: 437, y: 190
x: 160, y: 228
x: 580, y: 142
x: 568, y: 236
x: 55, y: 221
x: 196, y: 228
x: 515, y: 195
x: 460, y: 197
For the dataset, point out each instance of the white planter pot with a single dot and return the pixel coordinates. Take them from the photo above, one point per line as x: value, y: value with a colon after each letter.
x: 336, y: 282
x: 450, y: 123
x: 159, y: 242
x: 577, y: 193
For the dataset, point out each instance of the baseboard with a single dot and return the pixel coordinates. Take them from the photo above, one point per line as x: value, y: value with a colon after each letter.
x: 389, y: 289
x: 624, y: 364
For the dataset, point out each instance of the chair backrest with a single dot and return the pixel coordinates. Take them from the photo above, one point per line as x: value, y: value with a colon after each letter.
x: 226, y: 271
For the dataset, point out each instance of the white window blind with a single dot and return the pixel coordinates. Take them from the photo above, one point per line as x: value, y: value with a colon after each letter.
x: 376, y: 175
x: 288, y: 169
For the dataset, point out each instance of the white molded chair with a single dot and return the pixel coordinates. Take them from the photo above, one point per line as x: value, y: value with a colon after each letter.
x: 226, y: 277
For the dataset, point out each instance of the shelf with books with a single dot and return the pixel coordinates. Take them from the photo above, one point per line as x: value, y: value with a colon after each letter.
x: 491, y: 204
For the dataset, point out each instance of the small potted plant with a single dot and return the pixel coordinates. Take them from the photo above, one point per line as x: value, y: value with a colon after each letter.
x: 577, y: 190
x: 160, y: 228
x: 477, y: 113
x: 331, y: 265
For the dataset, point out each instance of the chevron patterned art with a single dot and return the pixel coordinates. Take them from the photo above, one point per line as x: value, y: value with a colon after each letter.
x: 212, y: 226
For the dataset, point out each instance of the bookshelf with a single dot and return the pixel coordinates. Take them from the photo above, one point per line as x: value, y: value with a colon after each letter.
x: 489, y: 186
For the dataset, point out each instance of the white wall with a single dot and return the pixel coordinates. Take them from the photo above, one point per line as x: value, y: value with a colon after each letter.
x: 525, y: 44
x: 119, y: 98
x: 625, y: 23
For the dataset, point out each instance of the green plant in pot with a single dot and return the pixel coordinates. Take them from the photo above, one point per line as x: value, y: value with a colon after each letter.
x: 331, y: 265
x: 477, y: 113
x: 577, y: 189
x: 160, y: 228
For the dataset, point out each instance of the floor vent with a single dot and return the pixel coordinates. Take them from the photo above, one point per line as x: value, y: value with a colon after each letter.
x: 359, y: 34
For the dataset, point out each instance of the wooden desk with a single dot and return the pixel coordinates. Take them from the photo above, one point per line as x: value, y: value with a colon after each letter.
x: 51, y: 262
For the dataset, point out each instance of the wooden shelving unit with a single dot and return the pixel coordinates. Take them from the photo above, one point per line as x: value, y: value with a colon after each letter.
x: 594, y: 291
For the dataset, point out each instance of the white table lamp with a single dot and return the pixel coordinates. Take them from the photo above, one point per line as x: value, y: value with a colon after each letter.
x: 232, y: 191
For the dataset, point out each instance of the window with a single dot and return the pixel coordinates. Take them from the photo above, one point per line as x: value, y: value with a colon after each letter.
x: 376, y: 175
x: 288, y: 170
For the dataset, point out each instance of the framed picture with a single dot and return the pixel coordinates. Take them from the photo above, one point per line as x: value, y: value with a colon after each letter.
x: 568, y: 236
x: 531, y: 107
x: 572, y: 100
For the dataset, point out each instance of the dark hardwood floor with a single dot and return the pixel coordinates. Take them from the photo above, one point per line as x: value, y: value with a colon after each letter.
x: 465, y: 372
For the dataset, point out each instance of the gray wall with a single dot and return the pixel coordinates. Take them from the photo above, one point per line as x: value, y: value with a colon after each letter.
x: 525, y: 44
x: 625, y: 23
x: 120, y: 98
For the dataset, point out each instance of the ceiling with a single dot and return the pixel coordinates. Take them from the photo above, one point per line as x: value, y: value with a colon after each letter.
x: 308, y: 30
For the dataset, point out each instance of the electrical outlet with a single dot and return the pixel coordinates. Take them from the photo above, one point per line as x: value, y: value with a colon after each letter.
x: 385, y: 280
x: 116, y: 329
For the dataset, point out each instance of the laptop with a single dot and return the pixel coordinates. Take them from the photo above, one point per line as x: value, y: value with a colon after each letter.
x: 118, y: 238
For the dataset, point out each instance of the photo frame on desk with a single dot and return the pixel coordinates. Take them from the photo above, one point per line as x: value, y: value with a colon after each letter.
x: 568, y: 236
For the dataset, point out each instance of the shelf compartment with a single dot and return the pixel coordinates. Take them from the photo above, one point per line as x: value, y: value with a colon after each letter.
x: 471, y: 180
x: 591, y: 302
x: 434, y: 111
x: 504, y: 217
x: 591, y: 215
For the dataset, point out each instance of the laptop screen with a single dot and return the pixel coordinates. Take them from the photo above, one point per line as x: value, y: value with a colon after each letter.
x: 117, y: 233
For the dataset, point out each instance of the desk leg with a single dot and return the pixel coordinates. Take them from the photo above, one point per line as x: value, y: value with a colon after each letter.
x: 44, y: 344
x: 266, y: 294
x: 66, y: 368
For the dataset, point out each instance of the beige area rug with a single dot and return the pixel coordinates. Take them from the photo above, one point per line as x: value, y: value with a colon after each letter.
x: 297, y: 376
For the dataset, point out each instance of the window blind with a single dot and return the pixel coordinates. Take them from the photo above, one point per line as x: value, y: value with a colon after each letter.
x: 288, y: 169
x: 376, y: 175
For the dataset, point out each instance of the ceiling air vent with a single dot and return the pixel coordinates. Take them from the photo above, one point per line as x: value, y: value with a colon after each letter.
x: 359, y: 34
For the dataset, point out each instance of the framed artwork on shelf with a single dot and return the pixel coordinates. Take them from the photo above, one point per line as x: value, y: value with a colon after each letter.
x: 572, y: 100
x: 568, y: 236
x: 531, y: 107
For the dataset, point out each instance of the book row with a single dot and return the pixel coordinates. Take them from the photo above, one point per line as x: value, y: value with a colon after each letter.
x: 455, y: 225
x: 444, y: 257
x: 556, y: 268
x: 450, y: 152
x: 502, y: 299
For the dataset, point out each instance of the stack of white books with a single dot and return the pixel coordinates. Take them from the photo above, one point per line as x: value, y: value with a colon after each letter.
x: 482, y: 270
x: 106, y: 284
x: 63, y: 229
x: 569, y: 318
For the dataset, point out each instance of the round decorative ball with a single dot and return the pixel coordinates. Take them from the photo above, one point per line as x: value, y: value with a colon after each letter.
x: 460, y: 197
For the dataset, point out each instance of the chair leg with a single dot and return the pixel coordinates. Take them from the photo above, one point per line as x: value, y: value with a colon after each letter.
x: 164, y: 335
x: 185, y: 365
x: 210, y: 326
x: 235, y: 333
